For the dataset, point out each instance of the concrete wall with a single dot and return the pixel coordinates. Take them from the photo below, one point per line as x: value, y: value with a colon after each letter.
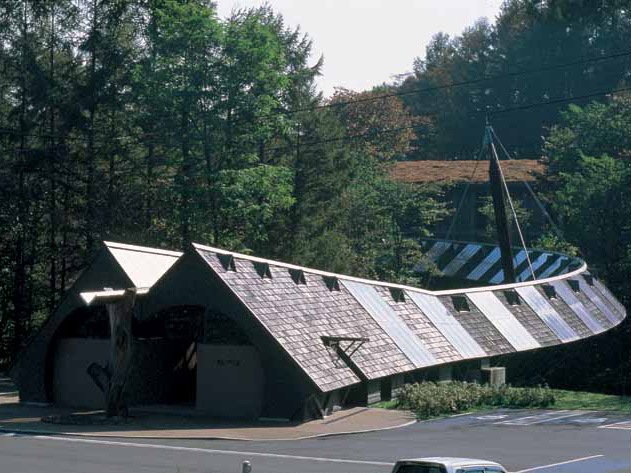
x: 230, y: 381
x: 72, y: 386
x: 156, y: 376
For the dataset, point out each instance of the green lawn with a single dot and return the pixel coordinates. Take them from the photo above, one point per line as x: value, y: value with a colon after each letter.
x: 592, y: 401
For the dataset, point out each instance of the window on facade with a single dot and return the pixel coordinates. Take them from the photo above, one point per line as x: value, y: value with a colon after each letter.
x: 219, y: 329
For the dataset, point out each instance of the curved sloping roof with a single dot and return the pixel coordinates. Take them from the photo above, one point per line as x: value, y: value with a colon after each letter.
x: 409, y: 328
x: 482, y: 263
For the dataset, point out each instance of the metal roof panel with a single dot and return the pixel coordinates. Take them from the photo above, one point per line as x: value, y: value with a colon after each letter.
x: 434, y: 309
x: 600, y: 303
x: 504, y: 320
x: 566, y: 293
x: 400, y: 333
x: 546, y: 312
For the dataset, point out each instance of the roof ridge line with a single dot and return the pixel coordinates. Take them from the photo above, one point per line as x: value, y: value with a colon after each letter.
x: 373, y: 282
x: 319, y: 272
x: 143, y: 249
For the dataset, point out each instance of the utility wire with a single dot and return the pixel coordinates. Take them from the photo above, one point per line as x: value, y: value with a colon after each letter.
x: 359, y: 135
x: 548, y: 68
x: 555, y: 227
x: 504, y: 110
x: 510, y: 201
x: 461, y: 83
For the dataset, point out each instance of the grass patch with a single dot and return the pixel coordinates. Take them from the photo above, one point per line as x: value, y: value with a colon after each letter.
x: 591, y: 401
x: 430, y: 400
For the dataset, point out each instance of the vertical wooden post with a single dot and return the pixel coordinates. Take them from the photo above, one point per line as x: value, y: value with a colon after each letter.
x: 121, y: 314
x: 499, y: 208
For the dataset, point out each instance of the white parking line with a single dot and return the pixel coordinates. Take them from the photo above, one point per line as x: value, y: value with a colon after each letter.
x: 543, y: 418
x: 492, y: 417
x: 551, y: 465
x: 624, y: 425
x: 208, y: 451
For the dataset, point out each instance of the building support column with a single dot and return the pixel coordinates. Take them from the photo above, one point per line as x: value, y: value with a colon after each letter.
x: 113, y: 378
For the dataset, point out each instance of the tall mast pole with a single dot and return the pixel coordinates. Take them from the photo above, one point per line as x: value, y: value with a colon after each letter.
x: 499, y: 207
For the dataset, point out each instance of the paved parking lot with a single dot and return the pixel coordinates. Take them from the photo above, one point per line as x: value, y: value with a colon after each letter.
x: 524, y: 441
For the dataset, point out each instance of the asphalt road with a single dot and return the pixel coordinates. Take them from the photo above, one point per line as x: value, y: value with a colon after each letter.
x: 554, y: 442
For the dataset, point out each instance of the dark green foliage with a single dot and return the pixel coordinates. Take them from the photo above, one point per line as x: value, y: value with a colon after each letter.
x: 535, y: 51
x: 155, y: 122
x: 429, y: 399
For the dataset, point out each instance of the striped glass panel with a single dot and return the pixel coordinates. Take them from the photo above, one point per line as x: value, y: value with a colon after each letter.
x: 486, y: 264
x: 388, y: 320
x: 536, y: 264
x: 553, y: 267
x: 437, y: 250
x: 503, y: 320
x: 546, y: 312
x: 447, y: 324
x: 461, y: 259
x: 517, y: 260
x: 566, y: 293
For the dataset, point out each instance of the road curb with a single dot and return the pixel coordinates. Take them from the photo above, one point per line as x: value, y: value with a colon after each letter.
x: 211, y: 437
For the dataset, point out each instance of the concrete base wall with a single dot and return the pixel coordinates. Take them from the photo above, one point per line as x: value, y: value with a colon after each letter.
x: 230, y: 381
x: 72, y: 386
x: 159, y: 374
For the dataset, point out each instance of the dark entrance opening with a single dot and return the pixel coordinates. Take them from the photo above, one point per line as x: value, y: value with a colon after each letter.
x: 165, y: 355
x: 386, y: 389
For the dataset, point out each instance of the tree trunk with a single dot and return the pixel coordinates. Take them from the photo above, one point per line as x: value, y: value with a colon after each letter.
x: 149, y: 163
x: 90, y: 158
x: 52, y: 203
x: 185, y: 178
x: 19, y: 275
x: 121, y: 314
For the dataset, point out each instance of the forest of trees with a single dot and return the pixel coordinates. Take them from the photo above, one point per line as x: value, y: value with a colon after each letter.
x: 155, y: 122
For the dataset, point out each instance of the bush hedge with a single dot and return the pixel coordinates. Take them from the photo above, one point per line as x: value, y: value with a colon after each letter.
x: 428, y: 399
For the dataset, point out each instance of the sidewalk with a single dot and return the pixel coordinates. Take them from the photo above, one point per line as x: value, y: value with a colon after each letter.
x: 152, y: 423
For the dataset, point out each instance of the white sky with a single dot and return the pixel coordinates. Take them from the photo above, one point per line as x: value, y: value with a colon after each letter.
x: 367, y: 42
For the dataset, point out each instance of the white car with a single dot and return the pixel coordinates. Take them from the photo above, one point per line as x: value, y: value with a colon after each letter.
x: 447, y: 465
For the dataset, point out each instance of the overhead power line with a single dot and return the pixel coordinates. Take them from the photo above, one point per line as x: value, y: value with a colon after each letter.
x: 450, y: 85
x: 375, y: 133
x: 9, y: 131
x: 371, y: 133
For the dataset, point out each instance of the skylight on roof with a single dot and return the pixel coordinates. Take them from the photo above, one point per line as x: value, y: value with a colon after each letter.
x: 298, y: 276
x: 332, y: 283
x: 227, y: 261
x: 263, y: 270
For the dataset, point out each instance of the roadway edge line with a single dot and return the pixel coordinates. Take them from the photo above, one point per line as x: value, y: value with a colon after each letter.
x: 567, y: 462
x: 208, y: 451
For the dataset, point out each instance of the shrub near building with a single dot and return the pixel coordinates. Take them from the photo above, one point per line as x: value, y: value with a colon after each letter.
x: 428, y: 399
